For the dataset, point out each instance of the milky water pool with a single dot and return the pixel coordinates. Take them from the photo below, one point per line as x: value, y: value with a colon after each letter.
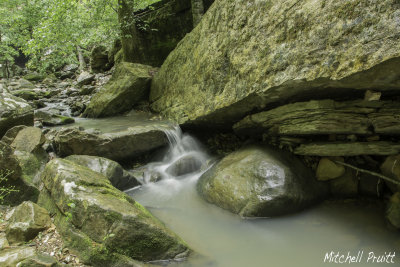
x: 219, y: 238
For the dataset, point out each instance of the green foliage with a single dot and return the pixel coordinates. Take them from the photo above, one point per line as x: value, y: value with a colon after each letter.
x: 5, y: 189
x: 49, y: 31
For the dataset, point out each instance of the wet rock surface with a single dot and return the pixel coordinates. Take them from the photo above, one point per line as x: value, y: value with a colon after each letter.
x: 116, y: 146
x: 260, y: 182
x: 103, y: 222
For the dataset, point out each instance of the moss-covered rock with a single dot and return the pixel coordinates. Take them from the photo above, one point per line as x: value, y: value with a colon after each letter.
x: 34, y: 76
x: 10, y: 257
x: 40, y: 260
x: 149, y: 35
x: 14, y: 111
x: 51, y: 119
x: 28, y: 139
x: 260, y: 182
x: 117, y: 146
x: 99, y: 59
x: 27, y: 220
x: 252, y: 55
x: 129, y: 84
x: 101, y: 223
x: 119, y: 178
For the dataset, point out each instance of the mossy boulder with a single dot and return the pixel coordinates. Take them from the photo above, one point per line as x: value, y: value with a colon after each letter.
x: 99, y: 59
x: 22, y: 154
x: 34, y: 77
x: 134, y: 141
x: 40, y: 260
x: 51, y: 119
x: 27, y: 220
x: 253, y: 55
x: 14, y: 111
x: 101, y: 223
x: 129, y: 84
x: 11, y: 256
x: 29, y: 139
x: 113, y: 171
x: 260, y: 182
x: 150, y: 34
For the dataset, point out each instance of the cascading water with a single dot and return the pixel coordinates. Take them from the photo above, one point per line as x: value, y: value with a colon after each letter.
x: 224, y: 240
x: 184, y: 160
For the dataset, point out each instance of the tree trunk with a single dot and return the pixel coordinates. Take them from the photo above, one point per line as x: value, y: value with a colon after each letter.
x: 82, y: 63
x: 197, y: 11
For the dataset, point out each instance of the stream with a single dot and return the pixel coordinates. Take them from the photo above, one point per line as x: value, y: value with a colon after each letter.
x: 222, y: 239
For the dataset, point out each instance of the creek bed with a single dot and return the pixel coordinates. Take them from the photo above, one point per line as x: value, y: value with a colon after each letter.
x: 223, y: 239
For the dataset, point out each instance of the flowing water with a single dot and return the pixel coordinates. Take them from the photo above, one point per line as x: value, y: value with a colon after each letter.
x: 222, y: 239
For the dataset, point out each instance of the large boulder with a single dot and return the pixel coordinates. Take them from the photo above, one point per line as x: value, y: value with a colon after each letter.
x: 149, y: 35
x: 112, y: 170
x: 129, y: 84
x: 101, y: 223
x: 251, y: 55
x: 22, y: 159
x: 260, y: 182
x: 14, y: 111
x: 27, y: 220
x: 99, y: 59
x: 117, y: 146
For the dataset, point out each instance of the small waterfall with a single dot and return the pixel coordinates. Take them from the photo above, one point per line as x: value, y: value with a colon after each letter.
x: 184, y: 160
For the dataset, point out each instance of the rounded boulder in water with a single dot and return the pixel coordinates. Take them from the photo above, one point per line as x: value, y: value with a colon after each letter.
x: 259, y: 181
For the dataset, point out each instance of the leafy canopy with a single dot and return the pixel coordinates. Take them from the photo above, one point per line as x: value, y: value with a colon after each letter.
x: 49, y: 31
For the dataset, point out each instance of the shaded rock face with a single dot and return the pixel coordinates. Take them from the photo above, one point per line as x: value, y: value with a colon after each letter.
x: 100, y: 222
x: 114, y: 172
x: 26, y: 222
x: 250, y: 55
x: 150, y: 35
x: 393, y: 211
x: 22, y: 155
x: 129, y: 84
x: 391, y: 168
x: 14, y: 111
x: 260, y: 182
x: 99, y: 59
x: 116, y: 146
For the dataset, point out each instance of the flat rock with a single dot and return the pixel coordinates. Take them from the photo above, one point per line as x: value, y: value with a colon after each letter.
x: 85, y: 78
x: 116, y: 146
x: 112, y: 170
x: 260, y: 182
x: 323, y: 117
x: 348, y: 149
